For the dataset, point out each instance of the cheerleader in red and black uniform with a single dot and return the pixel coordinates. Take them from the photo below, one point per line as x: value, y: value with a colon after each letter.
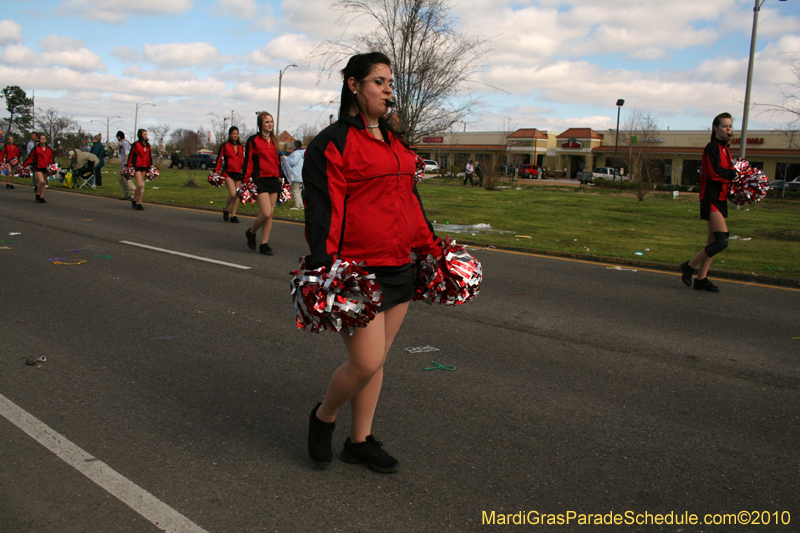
x: 262, y: 164
x: 229, y: 161
x: 9, y: 153
x: 716, y: 174
x: 40, y: 157
x: 141, y: 160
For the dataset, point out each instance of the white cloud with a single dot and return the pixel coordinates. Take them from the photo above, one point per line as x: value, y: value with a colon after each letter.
x: 10, y: 32
x: 291, y: 47
x: 242, y: 9
x: 178, y: 55
x: 72, y: 53
x: 17, y: 54
x: 118, y: 11
x: 126, y: 54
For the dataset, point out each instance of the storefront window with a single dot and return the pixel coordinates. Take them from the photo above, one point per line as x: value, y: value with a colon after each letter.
x: 691, y: 172
x: 788, y: 172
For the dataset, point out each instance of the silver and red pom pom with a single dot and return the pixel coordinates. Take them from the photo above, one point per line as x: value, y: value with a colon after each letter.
x: 286, y: 191
x: 128, y: 173
x: 52, y: 169
x: 420, y: 173
x: 247, y: 191
x: 25, y: 172
x: 152, y: 174
x: 453, y: 279
x: 749, y: 186
x: 216, y: 180
x: 14, y: 162
x: 346, y: 296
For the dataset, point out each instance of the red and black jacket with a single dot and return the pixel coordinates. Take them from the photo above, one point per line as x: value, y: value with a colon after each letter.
x: 716, y: 171
x: 260, y: 159
x: 10, y: 152
x: 361, y: 199
x: 139, y: 156
x: 232, y: 161
x: 41, y: 156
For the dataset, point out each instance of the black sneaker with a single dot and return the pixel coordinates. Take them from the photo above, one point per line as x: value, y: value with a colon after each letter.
x: 225, y: 215
x: 139, y: 207
x: 234, y: 219
x: 265, y: 249
x: 372, y: 453
x: 11, y: 187
x: 42, y: 200
x: 251, y: 239
x: 133, y: 204
x: 705, y: 285
x: 319, y: 439
x: 686, y: 274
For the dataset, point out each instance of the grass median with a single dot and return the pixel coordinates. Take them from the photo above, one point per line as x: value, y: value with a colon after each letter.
x: 601, y: 223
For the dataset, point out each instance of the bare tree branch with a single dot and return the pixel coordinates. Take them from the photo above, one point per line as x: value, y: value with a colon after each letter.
x: 434, y: 65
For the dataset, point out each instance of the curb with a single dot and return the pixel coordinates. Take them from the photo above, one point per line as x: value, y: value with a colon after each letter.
x: 722, y: 274
x: 665, y: 267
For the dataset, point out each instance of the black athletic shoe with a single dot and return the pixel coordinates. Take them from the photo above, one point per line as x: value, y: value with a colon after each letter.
x: 139, y: 207
x: 225, y: 215
x: 251, y: 239
x: 319, y: 439
x: 265, y: 249
x: 705, y: 285
x: 37, y: 199
x: 42, y: 200
x: 686, y: 274
x: 11, y: 187
x: 133, y: 204
x: 234, y: 219
x: 370, y: 452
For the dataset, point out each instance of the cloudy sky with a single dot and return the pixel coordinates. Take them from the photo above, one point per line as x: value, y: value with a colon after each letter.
x: 555, y: 64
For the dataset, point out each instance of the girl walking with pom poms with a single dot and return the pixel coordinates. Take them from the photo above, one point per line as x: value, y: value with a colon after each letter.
x: 229, y: 162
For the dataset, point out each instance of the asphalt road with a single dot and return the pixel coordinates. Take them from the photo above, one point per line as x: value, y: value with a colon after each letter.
x: 578, y: 387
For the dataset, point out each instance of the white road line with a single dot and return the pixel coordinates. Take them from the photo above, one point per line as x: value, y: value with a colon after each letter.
x: 159, y: 513
x: 234, y: 265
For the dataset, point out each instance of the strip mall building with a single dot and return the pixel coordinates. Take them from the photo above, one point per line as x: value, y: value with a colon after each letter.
x: 675, y: 155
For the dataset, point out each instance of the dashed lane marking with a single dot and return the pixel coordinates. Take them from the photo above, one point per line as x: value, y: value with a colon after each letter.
x: 151, y: 508
x: 199, y: 258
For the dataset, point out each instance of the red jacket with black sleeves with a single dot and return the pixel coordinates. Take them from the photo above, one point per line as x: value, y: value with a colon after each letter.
x: 716, y: 171
x: 361, y: 199
x: 139, y: 156
x: 41, y: 156
x: 260, y: 159
x: 233, y: 155
x: 9, y: 152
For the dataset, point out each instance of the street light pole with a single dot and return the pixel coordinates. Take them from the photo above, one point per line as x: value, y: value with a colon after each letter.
x: 278, y: 117
x: 136, y: 119
x: 620, y: 103
x: 108, y: 125
x: 746, y: 112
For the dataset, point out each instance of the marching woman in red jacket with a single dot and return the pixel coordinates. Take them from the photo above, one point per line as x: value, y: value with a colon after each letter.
x: 716, y: 174
x: 362, y: 205
x: 229, y: 161
x: 40, y: 157
x: 10, y: 152
x: 140, y: 159
x: 262, y: 164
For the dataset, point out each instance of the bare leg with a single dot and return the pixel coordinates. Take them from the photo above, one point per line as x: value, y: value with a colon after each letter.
x: 716, y: 223
x: 266, y: 204
x: 139, y: 192
x: 359, y: 379
x: 232, y: 201
x: 41, y: 181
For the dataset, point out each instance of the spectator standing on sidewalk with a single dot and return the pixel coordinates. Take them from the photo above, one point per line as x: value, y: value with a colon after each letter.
x: 100, y: 152
x: 295, y: 160
x: 479, y: 173
x: 126, y: 185
x: 468, y: 171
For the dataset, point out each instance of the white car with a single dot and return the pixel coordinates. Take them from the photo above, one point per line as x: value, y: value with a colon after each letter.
x: 431, y: 165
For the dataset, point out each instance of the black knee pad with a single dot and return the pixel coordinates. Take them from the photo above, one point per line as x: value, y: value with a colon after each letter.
x: 719, y: 244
